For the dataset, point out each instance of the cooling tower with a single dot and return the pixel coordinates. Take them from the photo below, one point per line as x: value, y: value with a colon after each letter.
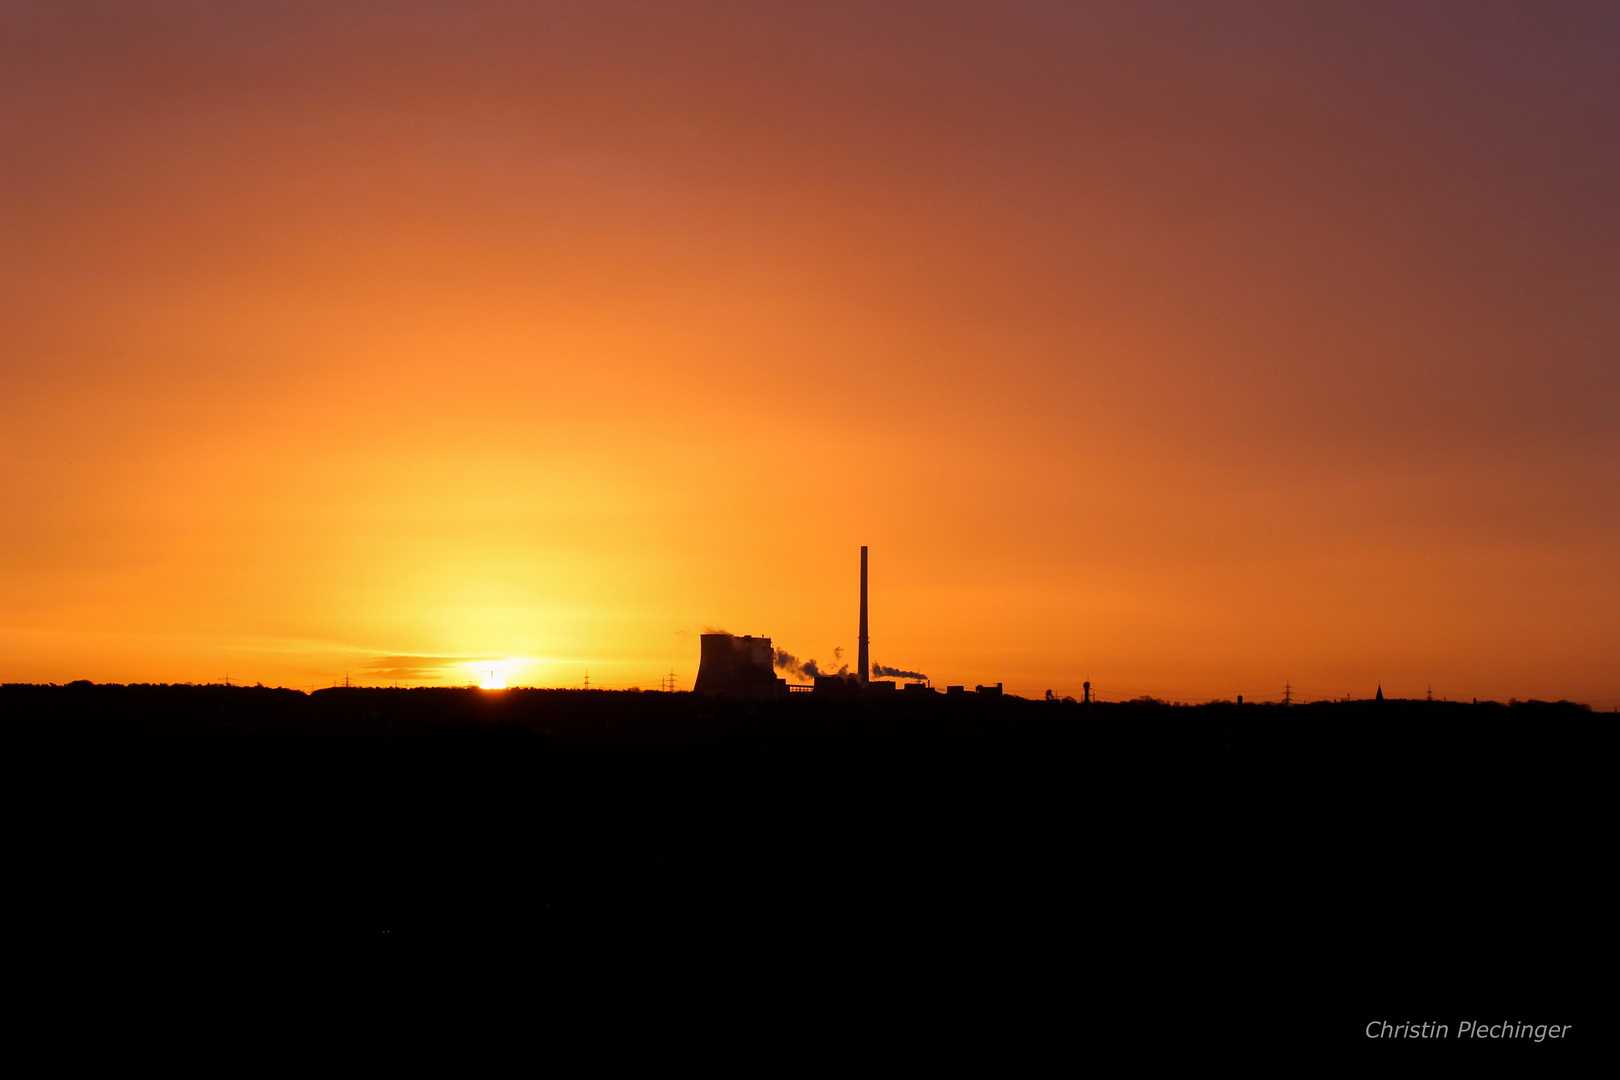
x: 738, y: 667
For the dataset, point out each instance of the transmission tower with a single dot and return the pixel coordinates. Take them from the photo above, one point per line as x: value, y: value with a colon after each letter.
x: 1288, y: 694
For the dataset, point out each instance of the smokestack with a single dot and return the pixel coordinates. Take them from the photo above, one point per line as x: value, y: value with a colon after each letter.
x: 864, y: 652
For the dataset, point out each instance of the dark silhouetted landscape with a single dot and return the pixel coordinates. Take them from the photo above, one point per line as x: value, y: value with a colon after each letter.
x: 988, y: 861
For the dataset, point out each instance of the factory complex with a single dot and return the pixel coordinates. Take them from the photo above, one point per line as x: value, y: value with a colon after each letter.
x: 744, y: 666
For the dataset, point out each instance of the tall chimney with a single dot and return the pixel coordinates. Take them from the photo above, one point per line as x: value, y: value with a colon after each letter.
x: 864, y: 656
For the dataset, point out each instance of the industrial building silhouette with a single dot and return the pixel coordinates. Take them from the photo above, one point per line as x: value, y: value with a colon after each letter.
x: 738, y: 667
x: 744, y: 666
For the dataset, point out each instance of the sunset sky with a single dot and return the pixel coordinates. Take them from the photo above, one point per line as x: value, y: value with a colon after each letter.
x: 1188, y: 348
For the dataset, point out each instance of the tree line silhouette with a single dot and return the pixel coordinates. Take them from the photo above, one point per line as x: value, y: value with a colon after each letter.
x: 995, y: 856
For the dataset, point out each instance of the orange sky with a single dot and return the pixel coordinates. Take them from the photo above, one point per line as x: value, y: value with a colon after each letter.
x: 1185, y: 349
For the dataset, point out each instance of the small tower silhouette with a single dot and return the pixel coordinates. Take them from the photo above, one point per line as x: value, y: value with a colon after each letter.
x: 1288, y: 694
x: 1380, y: 696
x: 1087, y: 685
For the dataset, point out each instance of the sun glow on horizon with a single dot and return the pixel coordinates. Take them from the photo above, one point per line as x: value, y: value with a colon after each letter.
x: 496, y: 672
x: 392, y: 341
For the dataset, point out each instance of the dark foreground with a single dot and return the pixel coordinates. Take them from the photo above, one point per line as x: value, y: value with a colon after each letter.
x: 953, y: 875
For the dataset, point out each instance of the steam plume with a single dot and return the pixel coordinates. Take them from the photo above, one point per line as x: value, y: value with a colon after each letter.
x: 896, y: 673
x: 806, y: 669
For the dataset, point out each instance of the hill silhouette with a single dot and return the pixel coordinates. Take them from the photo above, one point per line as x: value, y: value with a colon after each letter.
x: 1154, y: 867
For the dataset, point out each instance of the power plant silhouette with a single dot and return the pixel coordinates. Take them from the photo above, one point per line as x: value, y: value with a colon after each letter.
x: 745, y: 667
x: 738, y: 667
